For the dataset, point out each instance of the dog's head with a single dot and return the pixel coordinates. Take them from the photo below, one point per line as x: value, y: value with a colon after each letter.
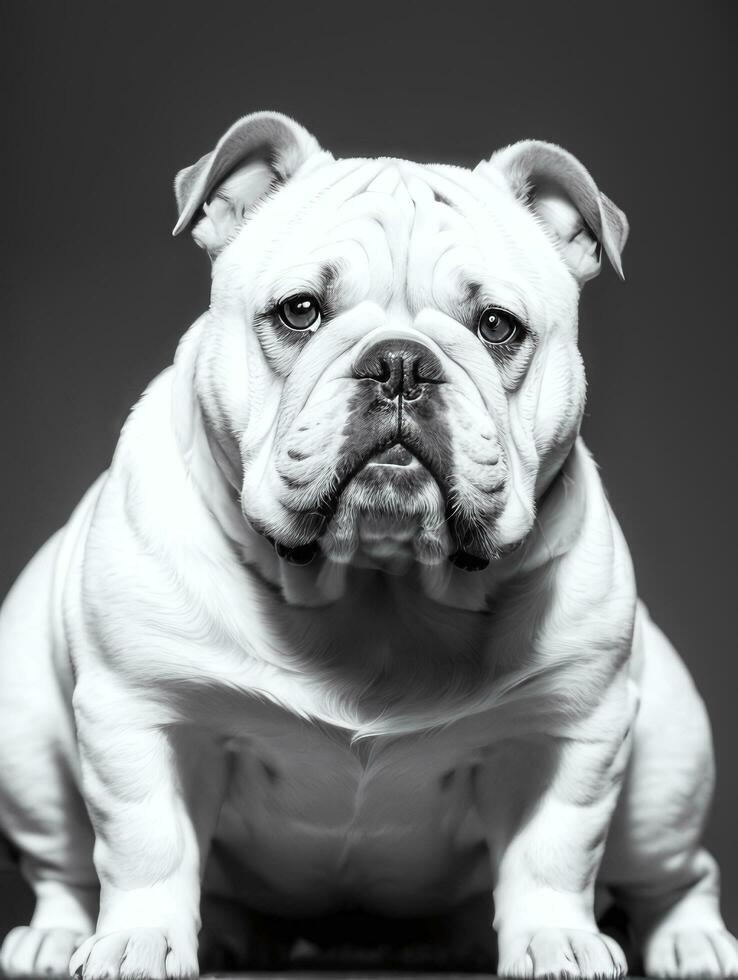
x: 389, y: 369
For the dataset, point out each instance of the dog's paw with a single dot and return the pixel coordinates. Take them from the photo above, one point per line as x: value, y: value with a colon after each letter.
x: 562, y: 953
x: 30, y: 952
x: 132, y: 954
x: 688, y: 953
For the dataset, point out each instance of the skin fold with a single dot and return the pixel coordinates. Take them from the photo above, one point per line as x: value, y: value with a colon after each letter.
x: 349, y: 622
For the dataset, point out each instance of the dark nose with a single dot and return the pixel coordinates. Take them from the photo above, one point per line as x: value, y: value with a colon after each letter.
x: 401, y: 367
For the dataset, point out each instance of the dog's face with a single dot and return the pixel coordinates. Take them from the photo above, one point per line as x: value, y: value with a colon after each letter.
x: 389, y: 372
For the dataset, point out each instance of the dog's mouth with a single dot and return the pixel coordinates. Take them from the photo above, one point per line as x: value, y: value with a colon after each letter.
x: 389, y: 502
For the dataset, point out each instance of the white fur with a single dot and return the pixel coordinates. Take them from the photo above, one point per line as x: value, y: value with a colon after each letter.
x: 366, y: 726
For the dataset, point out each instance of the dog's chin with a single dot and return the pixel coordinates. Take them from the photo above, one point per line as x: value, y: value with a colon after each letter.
x: 389, y: 515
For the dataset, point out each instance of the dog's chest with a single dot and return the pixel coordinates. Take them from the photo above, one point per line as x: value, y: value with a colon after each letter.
x: 383, y: 660
x: 312, y: 817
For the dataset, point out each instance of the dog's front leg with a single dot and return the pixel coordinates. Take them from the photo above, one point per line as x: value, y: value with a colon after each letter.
x: 153, y: 790
x: 549, y: 803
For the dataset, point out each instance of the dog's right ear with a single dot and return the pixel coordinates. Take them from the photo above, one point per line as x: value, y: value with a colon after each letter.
x: 258, y: 153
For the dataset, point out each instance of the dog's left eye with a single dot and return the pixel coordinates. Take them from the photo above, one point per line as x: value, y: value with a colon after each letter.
x: 496, y: 326
x: 300, y: 312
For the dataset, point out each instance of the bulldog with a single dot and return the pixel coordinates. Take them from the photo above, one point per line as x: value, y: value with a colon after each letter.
x: 349, y: 622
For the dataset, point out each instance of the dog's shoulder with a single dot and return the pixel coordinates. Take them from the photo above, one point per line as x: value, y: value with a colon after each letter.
x: 156, y: 564
x: 153, y: 488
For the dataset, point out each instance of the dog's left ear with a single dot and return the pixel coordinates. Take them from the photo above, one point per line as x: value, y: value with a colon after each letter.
x: 563, y: 195
x: 258, y: 153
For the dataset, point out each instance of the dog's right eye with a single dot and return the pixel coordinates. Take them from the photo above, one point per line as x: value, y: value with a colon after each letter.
x: 497, y: 327
x: 300, y: 312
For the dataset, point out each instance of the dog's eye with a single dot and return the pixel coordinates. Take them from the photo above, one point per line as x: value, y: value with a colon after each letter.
x: 497, y: 326
x: 300, y: 312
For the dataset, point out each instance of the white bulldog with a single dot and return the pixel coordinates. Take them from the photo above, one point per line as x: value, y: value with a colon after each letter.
x: 349, y: 622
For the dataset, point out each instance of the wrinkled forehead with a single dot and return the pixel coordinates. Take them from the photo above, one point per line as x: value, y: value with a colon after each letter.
x: 394, y: 230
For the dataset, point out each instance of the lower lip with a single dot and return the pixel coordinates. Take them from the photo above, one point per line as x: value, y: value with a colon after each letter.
x: 396, y: 455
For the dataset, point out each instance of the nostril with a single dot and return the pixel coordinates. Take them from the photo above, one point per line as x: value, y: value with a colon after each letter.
x: 384, y: 373
x: 426, y: 369
x: 424, y: 374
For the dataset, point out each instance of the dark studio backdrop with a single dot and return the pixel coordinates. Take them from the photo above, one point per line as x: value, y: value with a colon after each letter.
x: 103, y: 103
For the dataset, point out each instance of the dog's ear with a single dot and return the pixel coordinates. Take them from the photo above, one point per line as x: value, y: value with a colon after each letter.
x: 258, y: 153
x: 563, y: 195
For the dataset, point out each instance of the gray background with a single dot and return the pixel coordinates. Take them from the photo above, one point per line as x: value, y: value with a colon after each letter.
x: 104, y: 102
